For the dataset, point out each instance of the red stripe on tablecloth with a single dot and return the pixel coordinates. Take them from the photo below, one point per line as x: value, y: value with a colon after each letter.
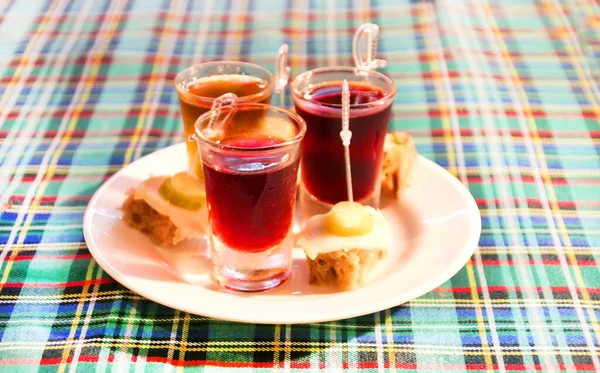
x: 470, y: 179
x: 89, y: 113
x: 53, y: 257
x: 42, y: 61
x: 52, y: 285
x: 555, y: 289
x: 81, y: 133
x: 531, y: 180
x: 434, y: 113
x: 17, y: 197
x: 462, y: 112
x: 553, y: 262
x: 31, y: 178
x: 293, y: 364
x: 554, y: 33
x: 432, y: 132
x: 514, y: 132
x: 481, y: 202
x: 484, y: 202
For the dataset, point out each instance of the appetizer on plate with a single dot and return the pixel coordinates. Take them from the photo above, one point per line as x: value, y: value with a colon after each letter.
x: 344, y: 245
x: 167, y: 209
x: 400, y: 156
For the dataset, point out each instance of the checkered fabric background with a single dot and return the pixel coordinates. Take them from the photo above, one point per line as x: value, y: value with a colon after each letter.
x: 504, y: 94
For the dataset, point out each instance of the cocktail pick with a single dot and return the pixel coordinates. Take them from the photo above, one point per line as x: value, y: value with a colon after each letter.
x: 367, y: 34
x: 215, y: 126
x: 346, y: 135
x: 221, y: 117
x: 282, y: 73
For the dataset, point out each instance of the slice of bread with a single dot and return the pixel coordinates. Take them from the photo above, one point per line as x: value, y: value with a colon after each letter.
x: 140, y: 216
x: 400, y: 157
x: 345, y: 269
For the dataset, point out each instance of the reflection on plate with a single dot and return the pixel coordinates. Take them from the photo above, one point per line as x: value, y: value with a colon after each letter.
x: 436, y: 227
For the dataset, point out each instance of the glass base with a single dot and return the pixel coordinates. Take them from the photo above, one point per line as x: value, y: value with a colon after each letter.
x: 244, y: 271
x: 310, y: 205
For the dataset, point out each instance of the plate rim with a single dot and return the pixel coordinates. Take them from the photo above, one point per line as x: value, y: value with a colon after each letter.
x: 391, y: 301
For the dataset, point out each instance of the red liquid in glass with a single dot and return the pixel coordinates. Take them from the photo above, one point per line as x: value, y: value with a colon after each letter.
x: 323, y: 172
x: 251, y: 212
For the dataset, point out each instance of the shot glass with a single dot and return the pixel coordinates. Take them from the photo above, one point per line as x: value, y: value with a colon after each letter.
x: 317, y: 96
x: 198, y: 86
x: 250, y: 160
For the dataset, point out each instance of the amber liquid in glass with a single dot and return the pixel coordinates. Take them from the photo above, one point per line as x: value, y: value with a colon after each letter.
x: 213, y: 87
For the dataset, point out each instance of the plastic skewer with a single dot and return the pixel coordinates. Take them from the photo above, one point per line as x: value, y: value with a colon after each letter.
x: 217, y: 123
x: 282, y: 72
x: 370, y: 32
x: 346, y: 135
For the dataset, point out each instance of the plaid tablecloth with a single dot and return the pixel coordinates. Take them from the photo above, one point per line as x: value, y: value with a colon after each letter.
x: 504, y: 94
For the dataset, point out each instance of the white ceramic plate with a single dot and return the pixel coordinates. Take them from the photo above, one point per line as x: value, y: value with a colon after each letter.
x: 436, y: 227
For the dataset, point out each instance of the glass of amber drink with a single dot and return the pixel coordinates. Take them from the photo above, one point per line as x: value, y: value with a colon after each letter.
x: 198, y: 86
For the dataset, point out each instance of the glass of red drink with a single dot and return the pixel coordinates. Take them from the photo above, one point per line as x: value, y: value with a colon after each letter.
x: 250, y: 154
x: 198, y: 86
x: 317, y: 98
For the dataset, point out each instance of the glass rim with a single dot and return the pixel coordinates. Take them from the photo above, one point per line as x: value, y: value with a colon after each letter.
x: 251, y: 106
x: 296, y: 93
x: 252, y: 98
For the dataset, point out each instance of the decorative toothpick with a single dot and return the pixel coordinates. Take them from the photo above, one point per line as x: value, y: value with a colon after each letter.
x: 346, y: 135
x: 370, y: 32
x: 282, y: 73
x: 217, y: 122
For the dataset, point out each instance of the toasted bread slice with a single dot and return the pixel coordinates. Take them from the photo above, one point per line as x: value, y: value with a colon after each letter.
x: 139, y: 215
x: 345, y: 269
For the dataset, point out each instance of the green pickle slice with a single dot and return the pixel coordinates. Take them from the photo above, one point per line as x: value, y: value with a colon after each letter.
x: 183, y: 191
